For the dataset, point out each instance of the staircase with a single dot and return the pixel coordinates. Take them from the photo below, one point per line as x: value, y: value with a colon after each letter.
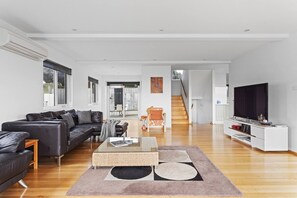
x: 179, y: 113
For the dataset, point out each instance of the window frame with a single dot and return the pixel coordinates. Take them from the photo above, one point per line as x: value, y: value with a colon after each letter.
x: 91, y: 82
x: 56, y: 68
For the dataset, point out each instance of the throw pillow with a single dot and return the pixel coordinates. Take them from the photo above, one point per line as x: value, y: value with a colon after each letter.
x: 68, y: 118
x: 57, y: 114
x: 47, y: 114
x: 97, y: 117
x: 84, y: 117
x: 74, y: 115
x: 71, y: 111
x: 10, y: 141
x: 34, y: 117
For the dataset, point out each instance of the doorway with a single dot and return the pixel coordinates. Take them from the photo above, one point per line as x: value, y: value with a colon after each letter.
x: 123, y: 100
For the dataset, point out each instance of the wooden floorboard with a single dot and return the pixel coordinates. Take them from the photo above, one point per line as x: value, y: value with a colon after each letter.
x: 257, y: 174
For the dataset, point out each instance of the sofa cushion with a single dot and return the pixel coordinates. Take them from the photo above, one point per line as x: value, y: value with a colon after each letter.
x: 68, y: 118
x: 38, y: 117
x: 74, y: 115
x: 47, y: 114
x: 72, y: 111
x: 97, y: 117
x: 34, y: 117
x: 57, y: 114
x: 95, y: 126
x: 10, y: 141
x: 77, y: 136
x: 84, y: 117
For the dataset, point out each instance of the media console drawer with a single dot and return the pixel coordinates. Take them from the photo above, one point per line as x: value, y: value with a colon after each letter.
x: 257, y: 132
x: 258, y: 143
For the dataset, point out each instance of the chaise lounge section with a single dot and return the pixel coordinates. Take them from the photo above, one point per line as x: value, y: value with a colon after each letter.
x: 14, y: 159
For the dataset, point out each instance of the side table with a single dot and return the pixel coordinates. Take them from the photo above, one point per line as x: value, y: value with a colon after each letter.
x: 34, y: 143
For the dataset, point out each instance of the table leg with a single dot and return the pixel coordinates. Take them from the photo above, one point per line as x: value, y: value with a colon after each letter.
x: 35, y: 155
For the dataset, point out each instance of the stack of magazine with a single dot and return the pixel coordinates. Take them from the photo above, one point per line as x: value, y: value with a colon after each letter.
x: 122, y: 142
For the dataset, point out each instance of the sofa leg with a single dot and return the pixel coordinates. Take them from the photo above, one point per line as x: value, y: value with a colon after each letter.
x: 59, y: 160
x: 22, y: 183
x: 91, y: 142
x: 95, y: 138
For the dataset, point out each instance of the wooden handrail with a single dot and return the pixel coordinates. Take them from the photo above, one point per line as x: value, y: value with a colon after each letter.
x: 181, y: 82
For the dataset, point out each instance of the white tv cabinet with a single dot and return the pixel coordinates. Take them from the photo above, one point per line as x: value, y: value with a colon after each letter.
x: 266, y: 138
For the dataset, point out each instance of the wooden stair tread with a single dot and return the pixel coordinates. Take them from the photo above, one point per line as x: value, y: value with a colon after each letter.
x: 179, y: 114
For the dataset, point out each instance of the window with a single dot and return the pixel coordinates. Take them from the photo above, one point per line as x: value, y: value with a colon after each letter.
x: 93, y: 93
x: 56, y: 84
x: 177, y: 74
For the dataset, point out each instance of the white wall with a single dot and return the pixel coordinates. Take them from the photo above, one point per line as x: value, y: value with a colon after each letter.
x: 220, y: 79
x: 156, y: 99
x: 274, y: 63
x: 176, y: 87
x: 220, y: 112
x: 21, y: 86
x: 21, y: 81
x: 220, y: 95
x: 104, y: 74
x: 201, y: 81
x: 107, y: 73
x: 80, y: 88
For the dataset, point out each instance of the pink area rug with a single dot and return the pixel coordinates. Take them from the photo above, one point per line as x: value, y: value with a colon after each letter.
x: 182, y: 171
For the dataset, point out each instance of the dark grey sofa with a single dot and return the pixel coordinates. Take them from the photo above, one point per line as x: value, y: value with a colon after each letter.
x: 14, y: 159
x: 55, y: 136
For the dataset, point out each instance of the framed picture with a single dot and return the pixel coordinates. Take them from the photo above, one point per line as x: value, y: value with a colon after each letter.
x: 156, y: 84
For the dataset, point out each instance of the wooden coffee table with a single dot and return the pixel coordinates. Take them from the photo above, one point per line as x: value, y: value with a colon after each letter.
x: 143, y: 153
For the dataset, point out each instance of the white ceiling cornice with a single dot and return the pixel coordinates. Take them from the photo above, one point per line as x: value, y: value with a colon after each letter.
x: 153, y: 62
x: 262, y: 37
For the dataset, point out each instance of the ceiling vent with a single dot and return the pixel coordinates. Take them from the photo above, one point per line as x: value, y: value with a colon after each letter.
x: 21, y: 45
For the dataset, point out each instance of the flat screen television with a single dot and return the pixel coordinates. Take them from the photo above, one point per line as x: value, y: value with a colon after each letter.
x: 251, y: 101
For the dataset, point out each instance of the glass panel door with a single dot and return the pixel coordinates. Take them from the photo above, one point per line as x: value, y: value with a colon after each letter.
x: 131, y: 98
x: 123, y: 102
x: 116, y: 102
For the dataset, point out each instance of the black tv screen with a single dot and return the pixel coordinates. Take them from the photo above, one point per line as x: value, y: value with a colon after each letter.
x: 251, y: 101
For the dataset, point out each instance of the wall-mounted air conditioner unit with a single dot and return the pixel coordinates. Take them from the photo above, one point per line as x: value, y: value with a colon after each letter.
x: 21, y: 45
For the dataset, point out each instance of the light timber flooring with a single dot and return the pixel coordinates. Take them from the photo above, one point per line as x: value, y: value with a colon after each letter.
x: 255, y: 173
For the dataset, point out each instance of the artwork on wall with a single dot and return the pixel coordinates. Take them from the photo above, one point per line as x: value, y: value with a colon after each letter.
x: 156, y: 84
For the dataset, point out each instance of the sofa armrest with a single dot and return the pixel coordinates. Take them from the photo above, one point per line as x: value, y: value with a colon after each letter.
x: 12, y: 142
x: 121, y: 127
x: 97, y: 117
x: 53, y: 135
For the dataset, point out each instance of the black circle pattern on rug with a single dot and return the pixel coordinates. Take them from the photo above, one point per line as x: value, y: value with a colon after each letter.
x: 130, y: 173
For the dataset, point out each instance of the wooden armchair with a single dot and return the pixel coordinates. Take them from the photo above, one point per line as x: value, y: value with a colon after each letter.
x: 156, y: 118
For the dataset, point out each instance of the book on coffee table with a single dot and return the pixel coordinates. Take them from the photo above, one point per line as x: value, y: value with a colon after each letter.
x: 120, y: 143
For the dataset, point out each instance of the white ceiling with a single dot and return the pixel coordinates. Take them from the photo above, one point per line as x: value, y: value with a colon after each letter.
x: 176, y: 31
